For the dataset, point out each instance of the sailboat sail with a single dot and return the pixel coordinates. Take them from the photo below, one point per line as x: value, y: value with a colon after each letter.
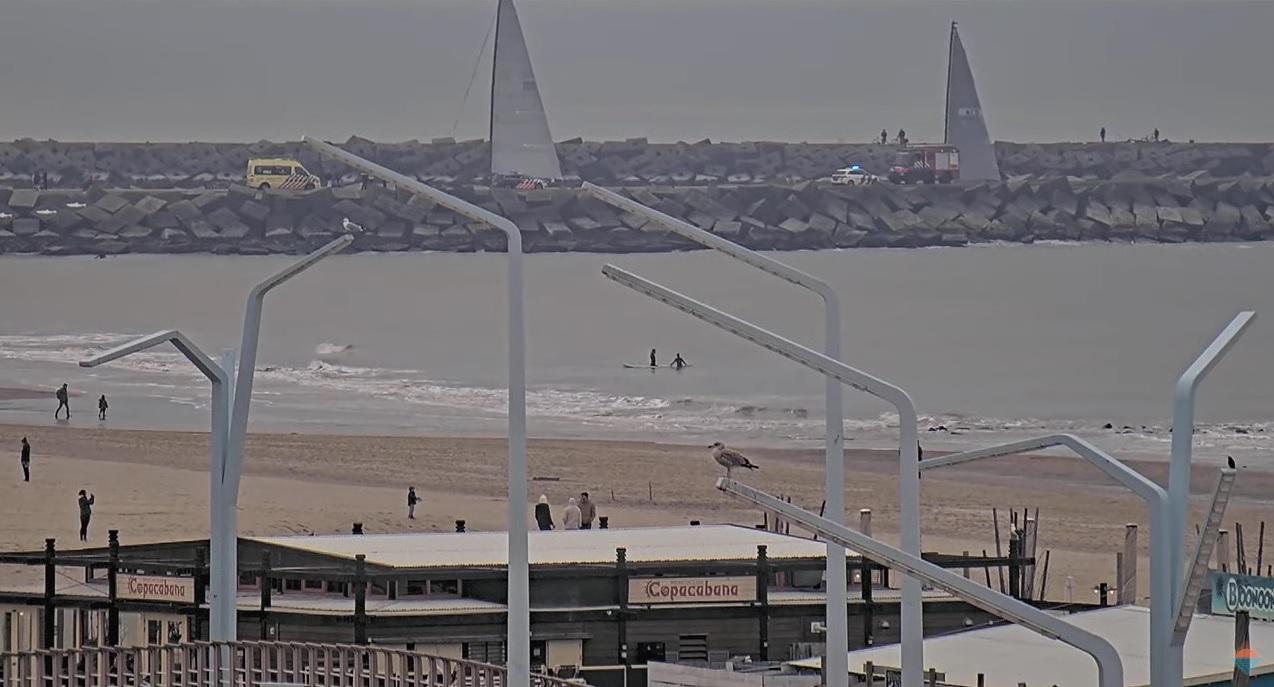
x: 965, y: 126
x: 520, y: 138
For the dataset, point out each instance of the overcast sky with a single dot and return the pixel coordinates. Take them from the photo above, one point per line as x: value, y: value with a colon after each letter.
x: 819, y: 70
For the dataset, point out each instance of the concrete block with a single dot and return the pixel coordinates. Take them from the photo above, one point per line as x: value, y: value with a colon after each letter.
x: 254, y: 211
x: 24, y: 199
x: 110, y: 203
x: 137, y: 231
x: 26, y: 226
x: 150, y: 205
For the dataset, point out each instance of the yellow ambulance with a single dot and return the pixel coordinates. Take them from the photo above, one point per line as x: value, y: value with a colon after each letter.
x: 277, y: 172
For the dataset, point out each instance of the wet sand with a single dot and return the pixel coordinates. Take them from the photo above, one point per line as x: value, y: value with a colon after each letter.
x: 153, y: 486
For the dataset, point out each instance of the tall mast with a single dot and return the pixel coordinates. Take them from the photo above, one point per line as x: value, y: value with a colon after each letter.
x: 495, y: 51
x: 946, y: 110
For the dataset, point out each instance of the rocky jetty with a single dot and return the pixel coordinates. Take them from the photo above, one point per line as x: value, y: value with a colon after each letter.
x: 636, y: 161
x: 805, y: 215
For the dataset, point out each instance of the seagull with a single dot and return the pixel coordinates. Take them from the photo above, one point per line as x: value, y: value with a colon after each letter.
x: 350, y: 226
x: 730, y: 459
x: 1229, y: 460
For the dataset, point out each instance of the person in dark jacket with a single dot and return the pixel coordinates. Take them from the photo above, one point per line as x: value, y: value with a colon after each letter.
x: 86, y: 513
x: 26, y: 460
x: 543, y: 514
x: 64, y: 401
x: 102, y: 405
x: 412, y: 500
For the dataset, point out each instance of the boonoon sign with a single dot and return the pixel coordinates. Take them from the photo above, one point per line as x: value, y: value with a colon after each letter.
x: 1233, y: 593
x: 675, y: 590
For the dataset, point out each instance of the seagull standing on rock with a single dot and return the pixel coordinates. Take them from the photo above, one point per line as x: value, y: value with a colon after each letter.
x: 730, y: 459
x: 350, y: 226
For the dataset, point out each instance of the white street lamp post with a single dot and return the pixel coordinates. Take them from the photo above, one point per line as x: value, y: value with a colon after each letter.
x: 834, y: 431
x: 912, y: 633
x: 1183, y: 401
x: 227, y: 437
x: 519, y: 604
x: 1110, y: 667
x: 220, y: 407
x: 1161, y: 599
x: 232, y: 468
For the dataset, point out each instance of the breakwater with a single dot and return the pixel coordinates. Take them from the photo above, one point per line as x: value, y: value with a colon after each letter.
x: 636, y: 161
x: 798, y: 216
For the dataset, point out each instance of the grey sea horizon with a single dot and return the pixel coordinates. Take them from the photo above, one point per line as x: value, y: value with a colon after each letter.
x: 992, y: 342
x: 796, y: 70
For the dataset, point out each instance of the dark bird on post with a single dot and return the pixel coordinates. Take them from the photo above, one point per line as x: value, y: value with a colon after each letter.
x: 1229, y: 460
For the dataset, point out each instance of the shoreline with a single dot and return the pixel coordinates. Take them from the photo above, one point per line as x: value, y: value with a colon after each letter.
x: 152, y: 485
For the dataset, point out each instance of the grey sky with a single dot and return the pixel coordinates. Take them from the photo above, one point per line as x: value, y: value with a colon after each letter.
x: 821, y: 70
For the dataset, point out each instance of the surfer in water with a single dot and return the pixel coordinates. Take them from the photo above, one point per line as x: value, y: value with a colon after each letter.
x: 652, y: 358
x: 678, y: 362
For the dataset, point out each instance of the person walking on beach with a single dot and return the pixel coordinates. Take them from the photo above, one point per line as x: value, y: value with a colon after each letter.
x: 102, y: 405
x: 587, y: 511
x: 412, y: 500
x: 571, y: 517
x: 543, y: 516
x: 63, y: 397
x: 86, y: 513
x: 26, y: 460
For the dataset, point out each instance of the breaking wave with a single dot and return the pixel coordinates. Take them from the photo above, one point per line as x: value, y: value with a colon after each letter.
x: 590, y: 412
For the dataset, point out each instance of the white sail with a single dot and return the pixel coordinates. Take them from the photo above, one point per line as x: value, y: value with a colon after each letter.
x: 966, y: 126
x: 520, y: 138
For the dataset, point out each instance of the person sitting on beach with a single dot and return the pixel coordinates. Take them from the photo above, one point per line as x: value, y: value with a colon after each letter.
x: 86, y: 513
x: 102, y: 405
x: 543, y: 516
x: 678, y: 362
x: 63, y: 397
x: 412, y: 500
x: 571, y: 516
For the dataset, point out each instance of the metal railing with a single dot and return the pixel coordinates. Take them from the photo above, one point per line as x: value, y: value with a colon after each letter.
x: 249, y: 664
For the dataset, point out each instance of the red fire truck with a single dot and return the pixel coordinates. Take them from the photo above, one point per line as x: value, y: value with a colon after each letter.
x: 925, y: 164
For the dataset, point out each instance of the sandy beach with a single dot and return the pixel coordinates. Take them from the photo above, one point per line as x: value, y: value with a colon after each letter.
x: 153, y: 486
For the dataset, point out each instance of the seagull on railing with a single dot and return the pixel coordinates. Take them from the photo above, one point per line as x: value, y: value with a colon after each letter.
x: 350, y: 226
x: 730, y: 459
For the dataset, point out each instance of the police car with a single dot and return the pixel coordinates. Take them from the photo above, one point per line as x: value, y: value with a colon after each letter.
x: 854, y: 176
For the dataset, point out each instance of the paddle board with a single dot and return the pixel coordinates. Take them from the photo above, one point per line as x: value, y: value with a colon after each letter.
x: 651, y: 367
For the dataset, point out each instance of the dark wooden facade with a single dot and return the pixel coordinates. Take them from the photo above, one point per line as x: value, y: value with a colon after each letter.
x: 583, y: 606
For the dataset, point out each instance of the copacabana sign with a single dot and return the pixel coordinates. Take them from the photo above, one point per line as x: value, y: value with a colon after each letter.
x: 156, y: 588
x: 676, y: 590
x: 1233, y: 593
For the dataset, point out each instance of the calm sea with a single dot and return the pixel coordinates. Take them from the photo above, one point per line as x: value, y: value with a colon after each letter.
x: 1003, y: 339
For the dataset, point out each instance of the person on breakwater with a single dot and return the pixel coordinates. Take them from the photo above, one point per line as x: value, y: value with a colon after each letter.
x: 102, y: 405
x: 587, y: 511
x: 25, y: 459
x: 412, y: 500
x: 86, y: 513
x: 543, y: 515
x: 63, y: 397
x: 571, y: 516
